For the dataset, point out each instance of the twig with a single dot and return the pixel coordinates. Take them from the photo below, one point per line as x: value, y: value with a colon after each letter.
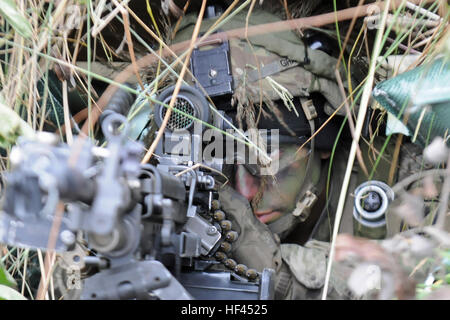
x: 126, y: 25
x: 104, y: 22
x: 422, y: 43
x: 403, y: 47
x: 50, y: 255
x: 175, y: 29
x: 398, y: 144
x: 423, y: 11
x: 24, y: 274
x: 258, y: 65
x: 425, y: 51
x: 347, y: 36
x: 350, y: 122
x: 68, y: 127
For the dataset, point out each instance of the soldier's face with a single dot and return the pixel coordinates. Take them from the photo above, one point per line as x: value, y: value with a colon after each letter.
x: 273, y: 196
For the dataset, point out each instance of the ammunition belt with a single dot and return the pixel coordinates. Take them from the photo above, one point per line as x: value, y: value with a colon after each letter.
x: 229, y: 237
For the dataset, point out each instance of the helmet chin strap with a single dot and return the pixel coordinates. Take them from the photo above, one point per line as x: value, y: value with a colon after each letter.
x: 307, y: 197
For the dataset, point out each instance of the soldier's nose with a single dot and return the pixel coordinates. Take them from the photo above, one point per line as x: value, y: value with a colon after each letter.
x: 246, y: 184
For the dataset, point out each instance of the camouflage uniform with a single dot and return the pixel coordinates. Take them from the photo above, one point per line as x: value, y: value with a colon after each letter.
x: 300, y: 271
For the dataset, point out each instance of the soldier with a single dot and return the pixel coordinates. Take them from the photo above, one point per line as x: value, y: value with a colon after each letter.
x: 296, y: 86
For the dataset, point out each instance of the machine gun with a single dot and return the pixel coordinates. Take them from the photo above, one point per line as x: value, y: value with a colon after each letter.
x: 135, y: 231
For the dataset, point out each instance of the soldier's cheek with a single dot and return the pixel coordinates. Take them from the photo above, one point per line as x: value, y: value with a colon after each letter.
x: 288, y: 190
x: 246, y: 184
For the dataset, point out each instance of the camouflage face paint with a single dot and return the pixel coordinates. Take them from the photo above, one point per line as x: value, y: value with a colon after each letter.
x: 276, y: 194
